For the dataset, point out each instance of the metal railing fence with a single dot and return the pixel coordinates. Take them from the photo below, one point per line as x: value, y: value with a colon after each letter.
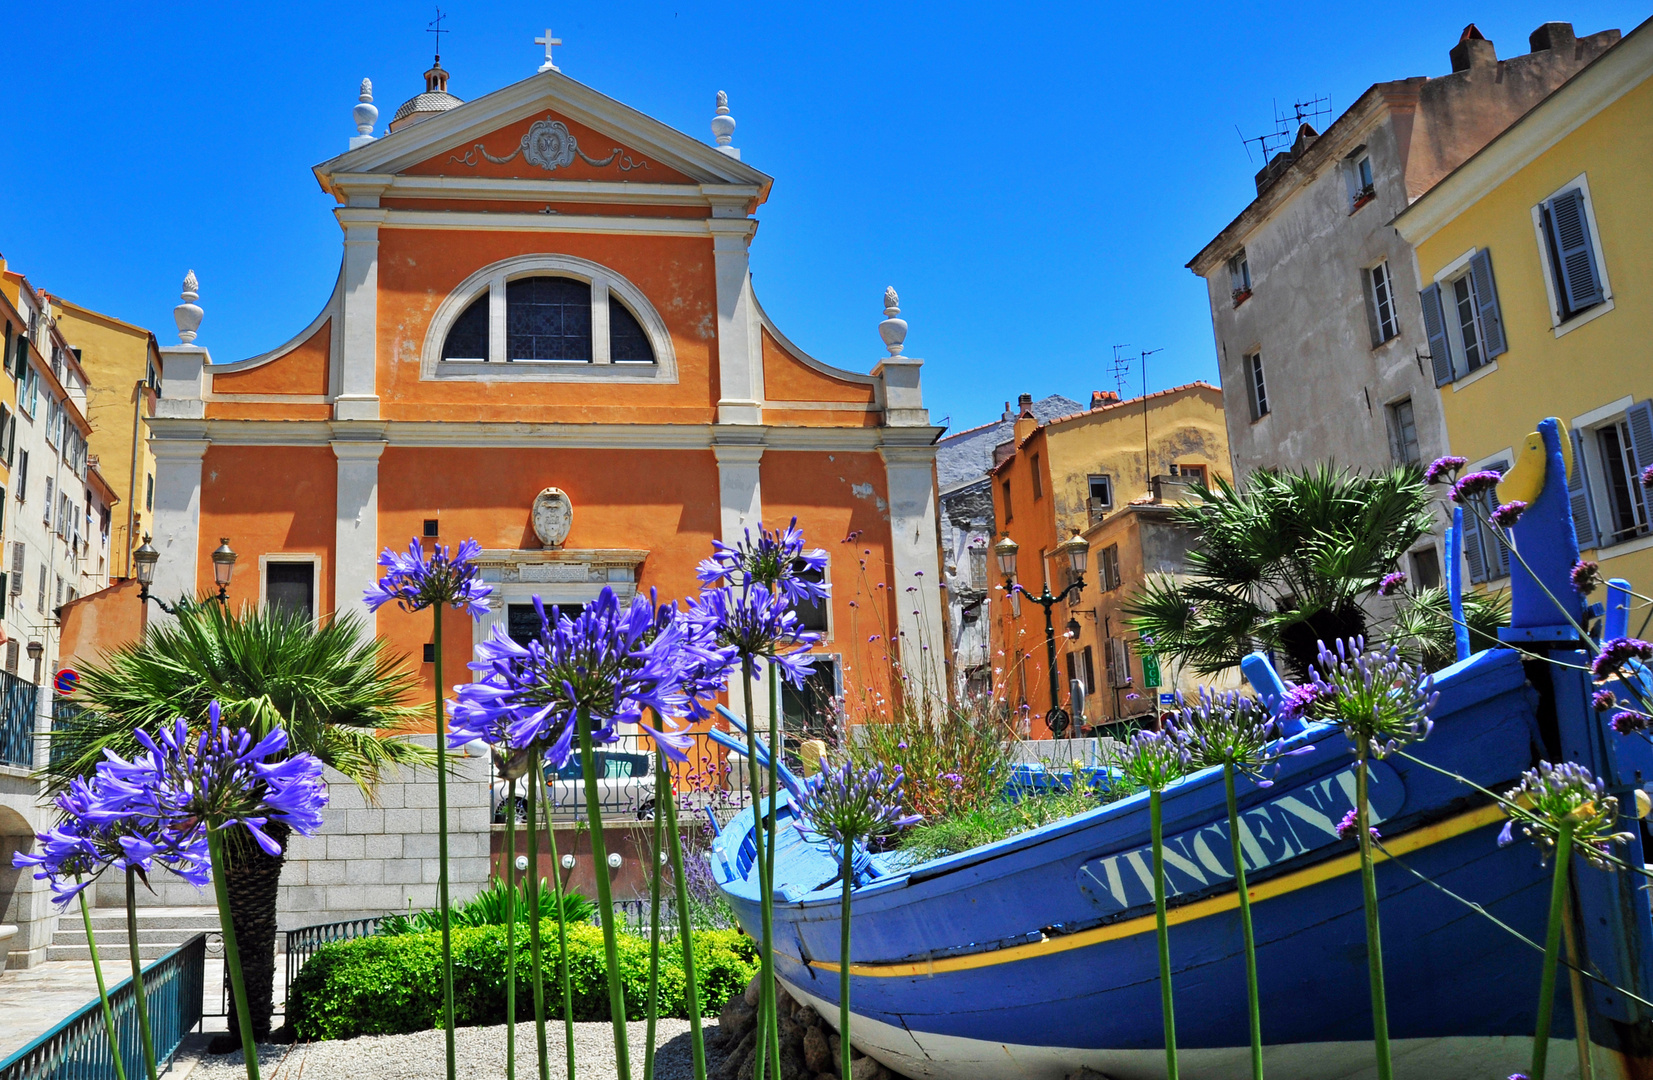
x: 78, y: 1047
x: 713, y: 776
x: 302, y: 943
x: 17, y: 705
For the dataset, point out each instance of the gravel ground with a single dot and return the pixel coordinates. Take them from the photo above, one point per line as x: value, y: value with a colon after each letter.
x: 480, y: 1052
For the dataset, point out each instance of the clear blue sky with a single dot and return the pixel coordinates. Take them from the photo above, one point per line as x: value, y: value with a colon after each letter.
x: 1030, y: 177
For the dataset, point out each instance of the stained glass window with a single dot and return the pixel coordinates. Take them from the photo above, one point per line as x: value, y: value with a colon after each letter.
x: 468, y: 337
x: 548, y: 318
x: 627, y: 344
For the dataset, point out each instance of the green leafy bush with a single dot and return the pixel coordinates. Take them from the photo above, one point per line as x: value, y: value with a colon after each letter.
x: 391, y: 985
x: 487, y: 908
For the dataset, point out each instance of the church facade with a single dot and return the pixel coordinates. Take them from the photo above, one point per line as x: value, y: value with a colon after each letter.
x: 544, y: 336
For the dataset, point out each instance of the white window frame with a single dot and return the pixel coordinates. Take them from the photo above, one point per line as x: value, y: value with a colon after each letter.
x: 1391, y: 331
x: 1107, y: 479
x: 1360, y: 155
x: 1488, y: 541
x: 1589, y: 426
x: 1396, y: 447
x: 317, y: 562
x: 1257, y: 404
x: 490, y: 281
x: 1446, y: 277
x: 1239, y: 275
x: 1552, y: 287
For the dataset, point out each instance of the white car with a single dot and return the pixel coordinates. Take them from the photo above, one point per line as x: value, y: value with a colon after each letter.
x: 625, y: 789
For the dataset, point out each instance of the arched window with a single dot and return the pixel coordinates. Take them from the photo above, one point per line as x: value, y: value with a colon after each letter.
x: 468, y: 339
x: 548, y: 317
x: 627, y: 343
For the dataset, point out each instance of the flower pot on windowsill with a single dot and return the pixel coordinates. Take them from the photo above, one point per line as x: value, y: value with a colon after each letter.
x: 1362, y: 197
x: 1240, y: 296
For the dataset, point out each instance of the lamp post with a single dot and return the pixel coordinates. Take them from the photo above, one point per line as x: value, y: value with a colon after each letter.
x: 35, y: 650
x: 145, y: 558
x: 1078, y: 555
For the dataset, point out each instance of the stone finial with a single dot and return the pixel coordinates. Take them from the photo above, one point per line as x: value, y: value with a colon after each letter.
x: 894, y: 328
x: 188, y: 314
x: 366, y: 114
x: 723, y: 126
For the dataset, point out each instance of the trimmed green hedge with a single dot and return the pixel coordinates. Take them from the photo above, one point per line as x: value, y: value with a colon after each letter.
x: 392, y: 985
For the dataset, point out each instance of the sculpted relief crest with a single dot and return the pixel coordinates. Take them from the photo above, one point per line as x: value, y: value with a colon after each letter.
x: 553, y: 517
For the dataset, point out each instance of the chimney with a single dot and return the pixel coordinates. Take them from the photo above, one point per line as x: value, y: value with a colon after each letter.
x: 1556, y: 36
x: 1026, y: 422
x: 1472, y: 50
x: 1023, y: 403
x: 1100, y: 398
x: 1008, y: 415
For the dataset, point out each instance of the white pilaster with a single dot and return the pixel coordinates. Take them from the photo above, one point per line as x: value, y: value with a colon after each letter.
x: 358, y: 394
x: 177, y: 517
x: 739, y: 350
x: 741, y: 499
x: 356, y: 540
x: 910, y: 475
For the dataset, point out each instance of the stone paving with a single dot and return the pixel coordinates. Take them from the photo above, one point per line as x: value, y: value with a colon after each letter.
x: 34, y: 1000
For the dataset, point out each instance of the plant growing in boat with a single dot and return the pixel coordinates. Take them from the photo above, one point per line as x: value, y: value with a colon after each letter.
x: 414, y: 583
x: 1382, y: 703
x: 1155, y: 760
x: 748, y: 606
x: 1561, y: 808
x: 1240, y: 735
x: 851, y: 805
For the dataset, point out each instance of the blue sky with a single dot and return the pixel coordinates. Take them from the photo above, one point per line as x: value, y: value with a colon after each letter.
x: 1032, y: 178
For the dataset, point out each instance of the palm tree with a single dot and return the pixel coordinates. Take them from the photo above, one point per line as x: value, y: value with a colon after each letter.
x: 1422, y: 626
x: 330, y: 684
x: 1282, y: 564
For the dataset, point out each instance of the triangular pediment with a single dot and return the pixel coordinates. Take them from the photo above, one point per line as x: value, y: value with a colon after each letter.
x: 548, y: 145
x: 572, y: 132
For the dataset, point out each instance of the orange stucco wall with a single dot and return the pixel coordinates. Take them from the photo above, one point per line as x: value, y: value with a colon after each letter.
x: 268, y: 499
x: 419, y: 268
x: 786, y: 378
x: 520, y: 206
x: 630, y: 165
x: 302, y: 371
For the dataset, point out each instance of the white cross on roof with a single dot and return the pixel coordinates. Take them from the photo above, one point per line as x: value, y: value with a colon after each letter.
x: 548, y: 41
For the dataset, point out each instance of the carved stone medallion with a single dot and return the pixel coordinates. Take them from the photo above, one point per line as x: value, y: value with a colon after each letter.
x: 553, y: 516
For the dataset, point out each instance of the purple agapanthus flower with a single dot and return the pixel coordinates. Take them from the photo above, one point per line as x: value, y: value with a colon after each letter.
x: 1350, y: 823
x: 92, y: 834
x: 757, y: 624
x: 1154, y: 759
x: 1228, y: 728
x: 1586, y: 576
x: 1376, y: 697
x: 608, y: 663
x: 1474, y: 484
x: 414, y: 582
x: 776, y: 559
x: 1618, y: 652
x: 219, y: 778
x: 851, y: 804
x: 1553, y: 795
x: 1391, y: 582
x: 1442, y: 469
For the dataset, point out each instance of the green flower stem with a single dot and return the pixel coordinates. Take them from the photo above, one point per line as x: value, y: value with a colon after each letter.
x: 605, y: 898
x: 1575, y: 983
x: 1374, y: 940
x: 442, y: 845
x: 511, y: 931
x: 1253, y: 1001
x: 1552, y: 947
x: 685, y: 930
x: 562, y: 933
x: 662, y: 779
x: 843, y: 962
x: 766, y: 899
x: 139, y: 996
x: 534, y: 913
x: 769, y: 846
x: 1156, y: 822
x: 103, y: 991
x: 232, y: 954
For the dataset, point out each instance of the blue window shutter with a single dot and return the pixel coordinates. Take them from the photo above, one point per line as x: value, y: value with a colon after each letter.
x: 1570, y: 233
x: 1578, y: 493
x: 1486, y: 299
x: 1434, y: 327
x: 1498, y: 558
x: 1472, y: 547
x: 1639, y: 418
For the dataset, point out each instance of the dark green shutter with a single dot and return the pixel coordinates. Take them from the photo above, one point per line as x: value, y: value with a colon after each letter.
x: 1434, y: 328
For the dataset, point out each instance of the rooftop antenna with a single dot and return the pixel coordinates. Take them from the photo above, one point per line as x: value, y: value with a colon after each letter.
x: 435, y: 27
x: 1142, y: 358
x: 1317, y: 109
x: 1121, y: 369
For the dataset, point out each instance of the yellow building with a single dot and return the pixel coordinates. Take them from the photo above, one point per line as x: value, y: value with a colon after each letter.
x: 1536, y: 260
x: 123, y: 365
x: 1111, y: 475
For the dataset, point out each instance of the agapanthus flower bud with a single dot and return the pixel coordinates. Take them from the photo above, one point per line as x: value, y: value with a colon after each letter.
x: 1566, y: 795
x: 1154, y: 759
x: 851, y: 804
x: 1378, y: 698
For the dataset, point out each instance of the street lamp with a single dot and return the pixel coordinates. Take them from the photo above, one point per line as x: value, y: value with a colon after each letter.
x: 35, y: 649
x: 223, y: 565
x: 1077, y: 551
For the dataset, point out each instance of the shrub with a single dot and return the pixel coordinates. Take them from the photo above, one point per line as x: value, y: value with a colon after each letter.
x: 392, y: 985
x: 487, y: 908
x: 957, y: 765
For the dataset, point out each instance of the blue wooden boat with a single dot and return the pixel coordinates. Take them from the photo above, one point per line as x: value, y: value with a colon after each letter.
x: 1036, y: 956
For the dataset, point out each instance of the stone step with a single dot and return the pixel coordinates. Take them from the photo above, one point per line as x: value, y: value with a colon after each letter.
x: 110, y: 937
x: 190, y: 918
x: 114, y: 956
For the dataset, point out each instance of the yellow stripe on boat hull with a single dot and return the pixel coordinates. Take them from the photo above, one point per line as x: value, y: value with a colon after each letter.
x: 1199, y: 909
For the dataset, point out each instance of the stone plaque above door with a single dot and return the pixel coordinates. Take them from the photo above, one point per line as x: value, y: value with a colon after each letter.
x: 553, y: 517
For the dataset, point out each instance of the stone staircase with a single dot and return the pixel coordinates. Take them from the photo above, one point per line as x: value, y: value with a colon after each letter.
x: 160, y: 930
